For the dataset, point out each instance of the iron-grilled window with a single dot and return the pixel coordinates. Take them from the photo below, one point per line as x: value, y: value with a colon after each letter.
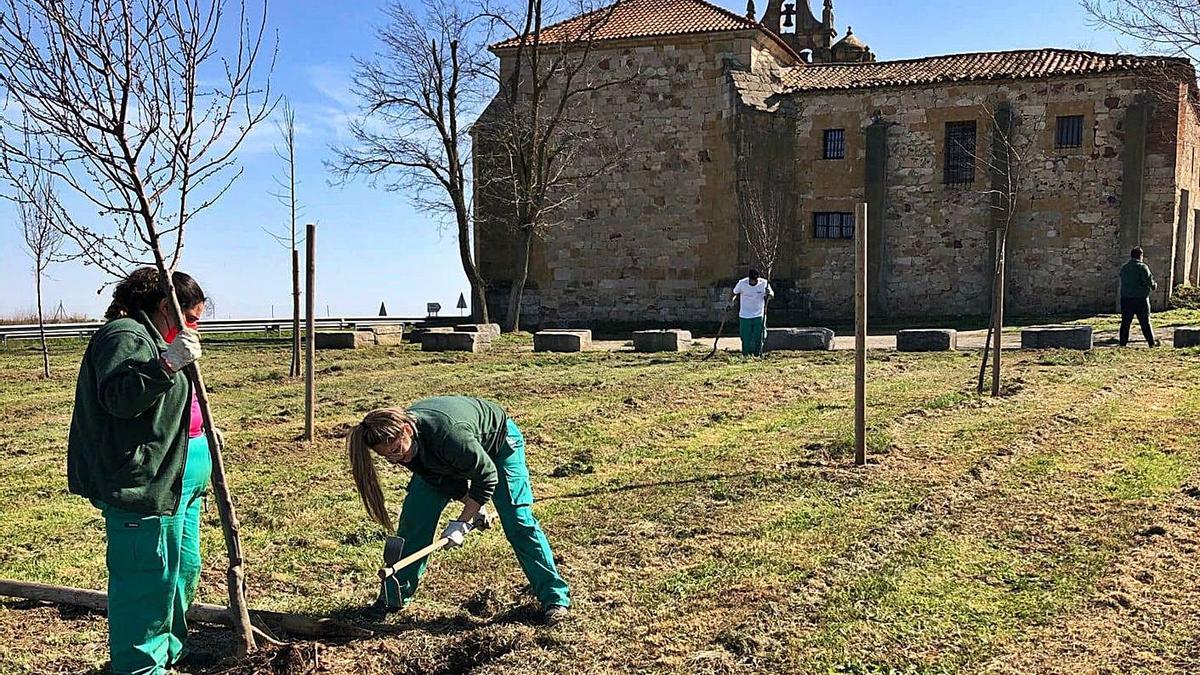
x: 1069, y: 133
x: 833, y: 225
x: 960, y: 153
x: 835, y: 144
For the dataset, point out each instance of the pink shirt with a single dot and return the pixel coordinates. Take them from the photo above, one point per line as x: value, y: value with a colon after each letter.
x: 196, y: 428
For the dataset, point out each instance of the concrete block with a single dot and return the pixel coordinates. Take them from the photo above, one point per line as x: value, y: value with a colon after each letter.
x: 1187, y: 336
x: 492, y: 329
x: 343, y: 339
x: 670, y: 340
x: 927, y: 340
x: 562, y: 340
x: 1057, y: 337
x: 799, y: 339
x: 455, y: 341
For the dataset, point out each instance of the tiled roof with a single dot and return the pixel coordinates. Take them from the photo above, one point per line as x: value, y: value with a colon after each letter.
x: 645, y: 18
x: 1025, y: 64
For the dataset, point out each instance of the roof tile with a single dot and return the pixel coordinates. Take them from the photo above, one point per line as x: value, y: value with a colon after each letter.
x: 1023, y: 64
x: 643, y: 18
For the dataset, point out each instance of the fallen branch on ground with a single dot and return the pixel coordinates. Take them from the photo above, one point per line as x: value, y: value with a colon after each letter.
x: 295, y: 624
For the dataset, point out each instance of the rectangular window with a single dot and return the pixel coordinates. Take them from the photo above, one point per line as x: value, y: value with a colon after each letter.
x: 1069, y: 133
x: 960, y: 153
x: 835, y: 144
x: 833, y: 225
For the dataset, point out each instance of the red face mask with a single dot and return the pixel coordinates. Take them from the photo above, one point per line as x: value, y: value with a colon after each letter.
x: 173, y: 331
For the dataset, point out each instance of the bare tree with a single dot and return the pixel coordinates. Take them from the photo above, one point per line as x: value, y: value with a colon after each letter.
x: 764, y: 204
x: 43, y: 240
x: 1009, y: 161
x: 1171, y: 26
x: 140, y: 108
x: 286, y: 194
x: 418, y: 93
x: 543, y: 137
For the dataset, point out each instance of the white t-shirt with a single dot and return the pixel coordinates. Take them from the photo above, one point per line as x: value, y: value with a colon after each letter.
x: 752, y: 299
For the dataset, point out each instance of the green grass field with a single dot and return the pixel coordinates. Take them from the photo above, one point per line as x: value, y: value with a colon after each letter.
x: 707, y: 514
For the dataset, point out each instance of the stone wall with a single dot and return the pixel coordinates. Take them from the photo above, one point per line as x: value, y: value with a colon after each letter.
x: 654, y: 239
x: 938, y: 239
x: 657, y: 239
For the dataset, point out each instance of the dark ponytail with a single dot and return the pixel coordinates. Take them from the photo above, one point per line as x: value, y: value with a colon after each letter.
x: 141, y: 291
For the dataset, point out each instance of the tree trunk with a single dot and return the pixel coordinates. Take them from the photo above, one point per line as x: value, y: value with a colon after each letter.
x: 513, y: 320
x: 42, y: 323
x: 295, y: 369
x: 479, y: 309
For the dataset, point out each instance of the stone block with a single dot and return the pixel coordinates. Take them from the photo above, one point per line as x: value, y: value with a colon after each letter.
x: 492, y: 329
x: 927, y: 340
x: 670, y: 340
x: 562, y: 340
x: 455, y: 341
x: 1057, y: 337
x: 799, y: 339
x: 342, y: 339
x: 1187, y: 336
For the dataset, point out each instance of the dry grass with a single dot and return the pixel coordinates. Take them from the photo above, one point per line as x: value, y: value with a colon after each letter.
x: 706, y: 514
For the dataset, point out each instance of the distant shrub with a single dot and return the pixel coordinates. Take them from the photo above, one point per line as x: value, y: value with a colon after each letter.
x: 1186, y: 297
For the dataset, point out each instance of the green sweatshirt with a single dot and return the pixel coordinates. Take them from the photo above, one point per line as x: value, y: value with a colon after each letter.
x: 1136, y: 279
x: 129, y: 429
x: 458, y: 440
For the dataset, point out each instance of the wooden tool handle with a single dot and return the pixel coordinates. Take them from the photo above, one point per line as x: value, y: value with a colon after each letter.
x: 385, y: 572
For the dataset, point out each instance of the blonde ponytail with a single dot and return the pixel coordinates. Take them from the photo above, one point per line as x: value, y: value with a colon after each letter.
x: 378, y: 427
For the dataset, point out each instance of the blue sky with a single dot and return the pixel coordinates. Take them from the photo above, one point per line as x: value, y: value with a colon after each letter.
x: 373, y: 246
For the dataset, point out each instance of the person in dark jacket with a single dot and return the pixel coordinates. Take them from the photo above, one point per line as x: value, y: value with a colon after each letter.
x: 1136, y: 284
x: 137, y: 450
x: 457, y: 448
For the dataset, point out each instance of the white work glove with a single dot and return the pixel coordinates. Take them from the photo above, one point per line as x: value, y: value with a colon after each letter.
x: 220, y: 438
x: 456, y: 531
x: 183, y: 351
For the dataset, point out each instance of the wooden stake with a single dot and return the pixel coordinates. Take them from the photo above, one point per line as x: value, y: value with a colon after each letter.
x: 295, y: 369
x: 296, y: 624
x: 999, y: 313
x: 860, y: 334
x: 310, y: 280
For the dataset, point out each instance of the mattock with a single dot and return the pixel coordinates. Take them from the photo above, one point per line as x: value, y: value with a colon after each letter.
x: 394, y: 546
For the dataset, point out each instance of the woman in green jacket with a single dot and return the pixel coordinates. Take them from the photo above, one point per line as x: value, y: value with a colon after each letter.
x: 457, y: 448
x: 137, y: 450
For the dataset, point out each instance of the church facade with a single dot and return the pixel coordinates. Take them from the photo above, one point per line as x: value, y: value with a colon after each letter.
x: 1094, y: 152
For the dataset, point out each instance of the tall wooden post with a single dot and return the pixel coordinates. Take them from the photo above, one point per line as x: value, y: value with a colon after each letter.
x: 295, y: 369
x: 860, y: 334
x: 310, y: 279
x: 999, y: 313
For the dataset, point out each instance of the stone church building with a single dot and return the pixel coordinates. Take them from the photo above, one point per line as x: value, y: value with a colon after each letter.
x: 1100, y: 148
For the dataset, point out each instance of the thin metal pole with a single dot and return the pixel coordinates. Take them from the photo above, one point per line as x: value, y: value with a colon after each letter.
x: 860, y: 334
x: 310, y: 279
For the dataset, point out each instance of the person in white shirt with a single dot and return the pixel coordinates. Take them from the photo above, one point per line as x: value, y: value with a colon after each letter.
x: 752, y: 294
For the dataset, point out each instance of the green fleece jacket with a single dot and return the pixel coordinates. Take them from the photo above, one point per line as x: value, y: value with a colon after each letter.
x: 458, y: 441
x: 1136, y: 279
x: 129, y: 429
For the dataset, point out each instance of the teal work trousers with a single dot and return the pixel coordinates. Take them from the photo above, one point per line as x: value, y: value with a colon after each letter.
x: 751, y: 331
x: 513, y: 502
x: 153, y: 571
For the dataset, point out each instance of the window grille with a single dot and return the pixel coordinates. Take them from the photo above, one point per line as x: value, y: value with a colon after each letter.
x: 960, y: 153
x: 835, y: 144
x: 1069, y: 133
x: 833, y: 225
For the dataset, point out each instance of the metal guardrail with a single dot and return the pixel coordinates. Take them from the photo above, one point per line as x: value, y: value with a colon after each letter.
x: 76, y: 330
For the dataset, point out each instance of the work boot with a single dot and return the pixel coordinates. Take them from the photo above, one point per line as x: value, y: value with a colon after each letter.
x: 379, y: 610
x: 555, y: 614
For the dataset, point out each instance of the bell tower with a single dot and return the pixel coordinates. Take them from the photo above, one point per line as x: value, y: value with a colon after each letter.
x: 795, y: 23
